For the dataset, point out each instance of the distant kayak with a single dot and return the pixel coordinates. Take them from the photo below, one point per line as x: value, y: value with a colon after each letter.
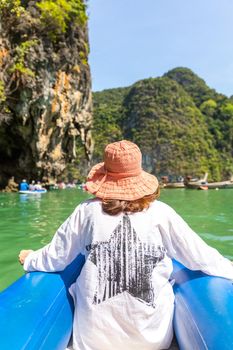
x: 33, y: 192
x: 203, y: 187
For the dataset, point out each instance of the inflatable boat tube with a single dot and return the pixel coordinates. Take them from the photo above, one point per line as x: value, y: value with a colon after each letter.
x: 43, y: 190
x: 203, y: 316
x: 36, y: 312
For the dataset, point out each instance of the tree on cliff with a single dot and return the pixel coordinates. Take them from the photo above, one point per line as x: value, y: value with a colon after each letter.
x: 45, y: 86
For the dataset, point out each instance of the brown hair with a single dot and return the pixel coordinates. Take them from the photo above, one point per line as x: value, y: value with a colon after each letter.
x: 116, y: 206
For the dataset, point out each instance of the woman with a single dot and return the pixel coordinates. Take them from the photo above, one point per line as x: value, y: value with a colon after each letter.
x: 123, y: 297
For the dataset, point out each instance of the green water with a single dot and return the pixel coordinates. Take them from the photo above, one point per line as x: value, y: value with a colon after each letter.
x: 29, y: 222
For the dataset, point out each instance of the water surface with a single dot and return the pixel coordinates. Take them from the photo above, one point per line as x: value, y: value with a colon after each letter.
x: 29, y: 221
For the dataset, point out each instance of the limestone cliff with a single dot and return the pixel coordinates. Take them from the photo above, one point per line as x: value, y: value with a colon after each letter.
x: 45, y: 87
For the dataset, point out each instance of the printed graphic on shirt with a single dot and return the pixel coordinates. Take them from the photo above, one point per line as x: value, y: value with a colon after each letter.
x: 125, y: 263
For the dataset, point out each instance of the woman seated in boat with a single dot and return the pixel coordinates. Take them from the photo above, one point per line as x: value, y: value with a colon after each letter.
x: 123, y: 296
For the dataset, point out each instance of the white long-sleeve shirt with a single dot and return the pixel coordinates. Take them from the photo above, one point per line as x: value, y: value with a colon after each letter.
x: 123, y: 297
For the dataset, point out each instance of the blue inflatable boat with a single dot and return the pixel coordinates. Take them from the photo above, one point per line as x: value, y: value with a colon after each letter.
x: 36, y: 311
x: 43, y: 190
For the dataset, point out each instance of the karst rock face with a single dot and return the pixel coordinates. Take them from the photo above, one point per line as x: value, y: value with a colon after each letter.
x: 45, y: 91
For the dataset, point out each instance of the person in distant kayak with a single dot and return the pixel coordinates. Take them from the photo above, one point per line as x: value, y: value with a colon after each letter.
x: 123, y: 296
x: 38, y: 186
x: 23, y: 186
x: 32, y: 185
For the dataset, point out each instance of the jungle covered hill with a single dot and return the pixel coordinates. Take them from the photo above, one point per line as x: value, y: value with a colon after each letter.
x: 182, y: 126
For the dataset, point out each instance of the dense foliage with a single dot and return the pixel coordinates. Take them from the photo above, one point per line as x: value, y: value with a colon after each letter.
x: 192, y: 84
x: 107, y: 124
x: 56, y: 15
x: 182, y: 126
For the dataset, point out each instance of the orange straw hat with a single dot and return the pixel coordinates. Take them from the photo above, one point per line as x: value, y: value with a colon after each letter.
x: 120, y: 176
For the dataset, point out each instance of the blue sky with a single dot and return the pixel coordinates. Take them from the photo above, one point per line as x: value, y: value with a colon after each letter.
x: 134, y: 39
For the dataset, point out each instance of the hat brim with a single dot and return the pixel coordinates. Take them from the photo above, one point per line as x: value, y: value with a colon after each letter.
x: 126, y: 188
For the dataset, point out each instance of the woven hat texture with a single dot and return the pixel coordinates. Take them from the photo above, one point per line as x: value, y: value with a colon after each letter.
x: 121, y: 176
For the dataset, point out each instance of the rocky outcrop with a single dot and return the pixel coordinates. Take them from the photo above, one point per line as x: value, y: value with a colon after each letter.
x: 45, y: 88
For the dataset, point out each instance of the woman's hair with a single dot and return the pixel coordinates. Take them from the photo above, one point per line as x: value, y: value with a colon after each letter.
x: 116, y: 206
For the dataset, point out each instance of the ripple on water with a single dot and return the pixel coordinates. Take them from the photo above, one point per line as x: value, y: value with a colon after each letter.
x: 222, y: 238
x: 221, y: 217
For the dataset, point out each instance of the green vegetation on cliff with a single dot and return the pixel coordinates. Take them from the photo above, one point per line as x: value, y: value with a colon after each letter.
x: 192, y: 84
x: 182, y: 126
x: 56, y: 15
x: 107, y: 124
